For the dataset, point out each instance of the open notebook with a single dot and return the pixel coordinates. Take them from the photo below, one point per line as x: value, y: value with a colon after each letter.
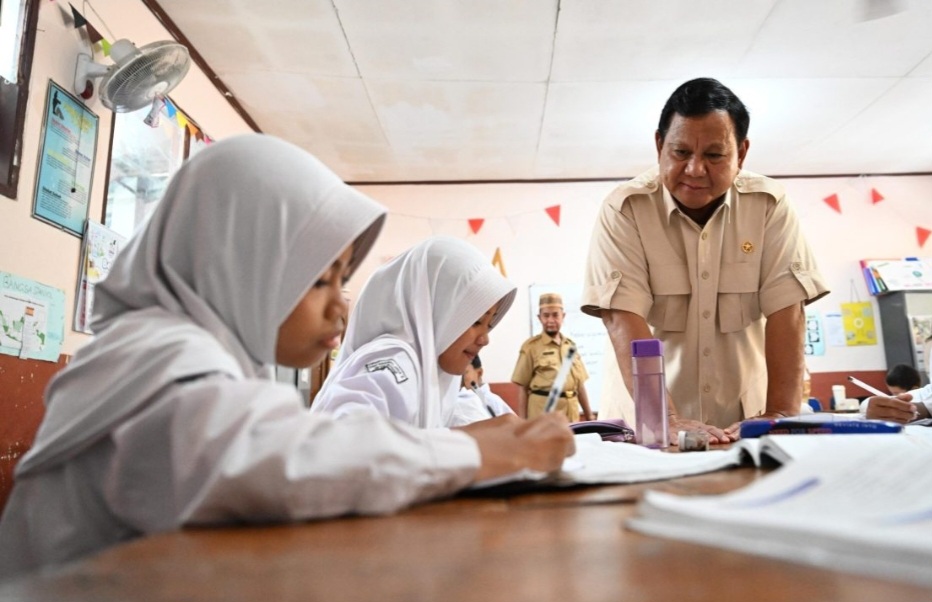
x: 858, y: 503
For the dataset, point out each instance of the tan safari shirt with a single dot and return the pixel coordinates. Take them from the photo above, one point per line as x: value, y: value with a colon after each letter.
x: 704, y: 291
x: 539, y: 361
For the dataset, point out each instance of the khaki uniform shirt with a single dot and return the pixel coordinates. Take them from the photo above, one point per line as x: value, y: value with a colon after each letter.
x: 704, y: 291
x: 538, y: 363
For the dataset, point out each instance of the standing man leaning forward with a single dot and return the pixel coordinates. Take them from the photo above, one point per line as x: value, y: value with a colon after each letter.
x: 539, y: 361
x: 701, y: 252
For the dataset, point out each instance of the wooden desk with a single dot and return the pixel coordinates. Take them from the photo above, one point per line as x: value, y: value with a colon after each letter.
x: 568, y: 546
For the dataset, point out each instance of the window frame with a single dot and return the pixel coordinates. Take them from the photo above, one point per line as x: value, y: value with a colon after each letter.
x: 13, y: 98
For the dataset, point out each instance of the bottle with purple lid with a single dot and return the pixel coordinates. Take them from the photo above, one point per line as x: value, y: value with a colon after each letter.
x: 650, y: 393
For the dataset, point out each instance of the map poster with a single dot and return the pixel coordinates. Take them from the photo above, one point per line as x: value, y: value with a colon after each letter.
x: 32, y: 318
x: 66, y: 162
x: 98, y: 251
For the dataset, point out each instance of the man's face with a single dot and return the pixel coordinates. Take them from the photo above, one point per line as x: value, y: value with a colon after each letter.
x: 699, y: 159
x: 551, y: 318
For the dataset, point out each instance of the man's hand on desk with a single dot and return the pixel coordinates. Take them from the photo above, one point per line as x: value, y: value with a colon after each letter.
x: 716, y: 435
x: 734, y: 431
x: 895, y: 409
x: 508, y: 444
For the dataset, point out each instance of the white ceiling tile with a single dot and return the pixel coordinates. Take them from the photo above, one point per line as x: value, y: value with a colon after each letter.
x: 479, y: 40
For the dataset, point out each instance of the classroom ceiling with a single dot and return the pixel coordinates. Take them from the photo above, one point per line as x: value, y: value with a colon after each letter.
x: 467, y: 90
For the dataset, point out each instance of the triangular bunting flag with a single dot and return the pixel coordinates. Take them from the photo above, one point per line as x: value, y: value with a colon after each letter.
x: 93, y: 34
x: 832, y: 201
x: 181, y: 119
x: 192, y: 129
x: 170, y: 108
x: 66, y: 15
x: 922, y: 235
x: 199, y: 136
x: 554, y: 213
x: 79, y: 20
x: 105, y: 46
x: 498, y: 262
x: 434, y: 225
x: 476, y: 224
x: 876, y: 197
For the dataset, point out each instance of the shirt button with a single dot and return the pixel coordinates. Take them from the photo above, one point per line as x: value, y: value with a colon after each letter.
x: 705, y: 235
x: 705, y: 275
x: 796, y: 266
x: 706, y: 314
x: 616, y: 275
x: 706, y: 352
x: 706, y: 388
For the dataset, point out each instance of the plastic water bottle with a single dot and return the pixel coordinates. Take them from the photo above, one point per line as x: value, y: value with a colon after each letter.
x: 650, y: 393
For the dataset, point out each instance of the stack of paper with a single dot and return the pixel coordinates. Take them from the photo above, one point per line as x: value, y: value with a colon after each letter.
x: 855, y: 503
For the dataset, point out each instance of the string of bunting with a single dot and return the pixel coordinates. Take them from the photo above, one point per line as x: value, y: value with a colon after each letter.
x: 876, y: 197
x: 475, y: 223
x: 72, y: 16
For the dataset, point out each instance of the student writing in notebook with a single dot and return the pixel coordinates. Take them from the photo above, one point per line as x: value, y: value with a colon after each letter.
x: 169, y: 417
x: 475, y: 400
x: 903, y: 408
x: 418, y: 323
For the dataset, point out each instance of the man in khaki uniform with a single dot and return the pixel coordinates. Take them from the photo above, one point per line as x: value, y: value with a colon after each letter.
x: 698, y: 253
x: 539, y: 361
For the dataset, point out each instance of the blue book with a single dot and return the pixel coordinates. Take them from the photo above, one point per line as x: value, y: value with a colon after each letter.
x: 808, y: 426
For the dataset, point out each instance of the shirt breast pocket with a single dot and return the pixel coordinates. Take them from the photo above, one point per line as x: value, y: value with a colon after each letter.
x: 738, y: 295
x: 671, y: 288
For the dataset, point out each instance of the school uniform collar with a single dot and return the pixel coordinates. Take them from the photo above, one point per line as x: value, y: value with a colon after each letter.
x: 670, y: 208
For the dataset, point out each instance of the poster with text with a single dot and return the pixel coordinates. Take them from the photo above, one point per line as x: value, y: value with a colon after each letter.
x: 99, y: 250
x: 66, y: 162
x: 815, y: 337
x: 32, y: 318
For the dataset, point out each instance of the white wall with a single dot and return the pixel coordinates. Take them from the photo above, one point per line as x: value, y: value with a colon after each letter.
x: 535, y: 250
x: 33, y: 249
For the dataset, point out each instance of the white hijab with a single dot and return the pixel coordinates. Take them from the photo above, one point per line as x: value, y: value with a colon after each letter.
x: 243, y: 231
x: 427, y: 297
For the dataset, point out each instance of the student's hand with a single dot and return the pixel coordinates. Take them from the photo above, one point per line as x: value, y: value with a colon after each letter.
x: 895, y: 409
x: 511, y: 445
x: 716, y: 435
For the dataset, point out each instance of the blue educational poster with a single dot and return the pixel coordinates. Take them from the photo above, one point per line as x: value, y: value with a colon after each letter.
x: 66, y: 162
x: 814, y: 344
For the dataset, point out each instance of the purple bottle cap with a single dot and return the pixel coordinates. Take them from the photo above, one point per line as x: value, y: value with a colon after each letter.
x: 646, y: 348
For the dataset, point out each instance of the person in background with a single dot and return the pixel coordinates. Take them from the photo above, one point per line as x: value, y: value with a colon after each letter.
x: 539, y: 360
x: 903, y: 378
x: 709, y: 259
x: 476, y: 401
x: 170, y: 415
x: 908, y: 401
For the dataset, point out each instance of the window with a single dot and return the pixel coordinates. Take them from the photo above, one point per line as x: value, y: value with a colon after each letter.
x: 142, y: 161
x: 18, y: 20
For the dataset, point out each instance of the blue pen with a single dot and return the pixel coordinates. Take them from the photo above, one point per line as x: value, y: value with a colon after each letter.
x: 557, y: 387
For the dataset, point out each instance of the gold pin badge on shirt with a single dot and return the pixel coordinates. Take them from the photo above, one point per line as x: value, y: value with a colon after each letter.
x: 747, y: 247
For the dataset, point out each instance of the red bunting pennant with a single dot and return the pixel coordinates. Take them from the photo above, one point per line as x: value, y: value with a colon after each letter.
x: 93, y: 35
x: 554, y: 213
x: 79, y: 20
x: 832, y: 201
x: 922, y: 235
x: 476, y: 224
x: 876, y: 197
x: 498, y: 262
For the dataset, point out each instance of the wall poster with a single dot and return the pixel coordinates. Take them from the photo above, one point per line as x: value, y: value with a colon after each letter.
x: 66, y: 162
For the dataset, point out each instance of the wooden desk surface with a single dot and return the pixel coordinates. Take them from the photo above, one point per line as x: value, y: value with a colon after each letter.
x: 568, y: 546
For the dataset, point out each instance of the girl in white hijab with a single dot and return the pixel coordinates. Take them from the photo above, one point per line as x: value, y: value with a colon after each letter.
x: 168, y: 418
x: 418, y: 323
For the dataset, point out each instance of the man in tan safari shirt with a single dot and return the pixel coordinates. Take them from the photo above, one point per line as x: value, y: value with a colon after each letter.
x: 698, y: 253
x: 539, y: 361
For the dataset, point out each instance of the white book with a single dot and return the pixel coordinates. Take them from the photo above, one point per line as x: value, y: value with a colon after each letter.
x: 857, y: 503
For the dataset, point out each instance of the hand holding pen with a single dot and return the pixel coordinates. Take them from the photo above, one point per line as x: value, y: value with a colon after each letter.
x: 887, y: 407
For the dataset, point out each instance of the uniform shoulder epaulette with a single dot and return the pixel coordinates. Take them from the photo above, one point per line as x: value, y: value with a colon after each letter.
x: 569, y: 340
x: 646, y: 183
x: 748, y: 181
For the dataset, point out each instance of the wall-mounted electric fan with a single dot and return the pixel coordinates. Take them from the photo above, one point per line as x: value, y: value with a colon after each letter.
x: 138, y: 76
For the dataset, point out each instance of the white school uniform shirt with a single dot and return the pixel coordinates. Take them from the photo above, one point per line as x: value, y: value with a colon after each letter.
x: 168, y: 417
x: 471, y: 407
